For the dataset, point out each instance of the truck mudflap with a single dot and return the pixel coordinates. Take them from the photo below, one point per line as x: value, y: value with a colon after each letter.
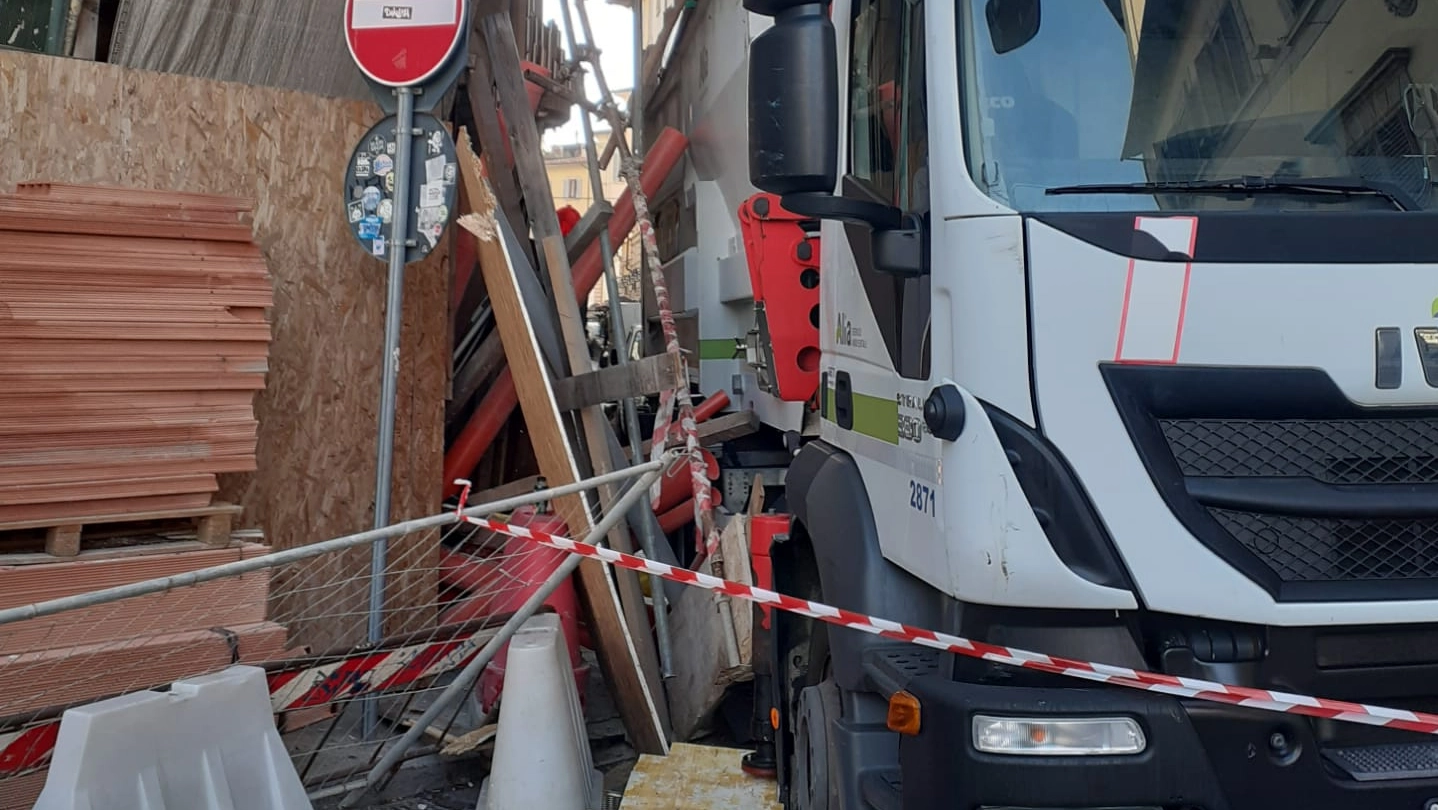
x: 1197, y: 755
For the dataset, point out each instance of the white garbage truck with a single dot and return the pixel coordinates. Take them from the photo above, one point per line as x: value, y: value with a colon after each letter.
x: 1106, y: 329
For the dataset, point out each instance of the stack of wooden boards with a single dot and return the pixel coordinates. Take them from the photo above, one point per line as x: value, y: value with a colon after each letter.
x: 133, y: 338
x: 79, y: 656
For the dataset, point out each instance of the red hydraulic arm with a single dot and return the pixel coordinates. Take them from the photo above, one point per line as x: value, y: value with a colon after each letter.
x: 784, y: 272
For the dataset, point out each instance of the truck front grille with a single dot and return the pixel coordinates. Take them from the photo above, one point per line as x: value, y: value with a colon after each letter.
x: 1275, y: 470
x: 1302, y: 549
x: 1348, y: 452
x: 1334, y: 451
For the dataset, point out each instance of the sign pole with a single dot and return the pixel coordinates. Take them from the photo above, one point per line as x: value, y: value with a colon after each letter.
x: 393, y: 320
x: 404, y: 48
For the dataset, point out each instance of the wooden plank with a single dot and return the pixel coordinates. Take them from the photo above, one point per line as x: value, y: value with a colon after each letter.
x: 32, y: 221
x: 23, y: 582
x: 21, y: 792
x: 34, y: 292
x: 118, y: 553
x: 136, y: 349
x: 41, y: 493
x: 721, y: 429
x: 62, y: 541
x: 652, y: 61
x: 513, y: 489
x: 214, y: 530
x: 208, y: 510
x: 130, y: 418
x: 701, y: 619
x: 231, y: 449
x: 141, y: 437
x: 12, y: 405
x: 51, y: 513
x: 222, y: 602
x: 497, y: 158
x: 508, y: 78
x: 617, y: 654
x: 613, y: 383
x: 32, y: 243
x: 594, y: 427
x: 32, y: 681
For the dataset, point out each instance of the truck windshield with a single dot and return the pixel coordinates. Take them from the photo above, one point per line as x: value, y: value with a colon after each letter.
x: 1085, y: 105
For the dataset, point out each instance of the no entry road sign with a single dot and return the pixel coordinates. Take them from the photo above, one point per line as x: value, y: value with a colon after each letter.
x: 402, y: 43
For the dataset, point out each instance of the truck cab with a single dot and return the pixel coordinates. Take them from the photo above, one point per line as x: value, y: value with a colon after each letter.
x: 1128, y: 353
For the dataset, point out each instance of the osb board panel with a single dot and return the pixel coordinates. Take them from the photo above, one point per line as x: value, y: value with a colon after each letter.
x: 697, y: 777
x: 82, y: 122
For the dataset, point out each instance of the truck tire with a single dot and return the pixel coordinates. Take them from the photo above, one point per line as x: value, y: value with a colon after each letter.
x: 814, y: 786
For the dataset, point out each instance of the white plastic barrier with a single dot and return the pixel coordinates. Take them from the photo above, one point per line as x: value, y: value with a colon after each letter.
x: 209, y: 743
x: 541, y: 751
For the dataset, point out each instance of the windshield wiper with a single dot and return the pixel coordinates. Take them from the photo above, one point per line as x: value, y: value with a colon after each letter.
x: 1346, y: 186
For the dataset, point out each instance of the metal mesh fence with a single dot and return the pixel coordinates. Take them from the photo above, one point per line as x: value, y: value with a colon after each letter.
x: 301, y: 615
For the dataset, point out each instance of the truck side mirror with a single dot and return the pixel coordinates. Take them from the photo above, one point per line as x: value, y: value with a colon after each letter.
x: 1012, y: 23
x: 794, y: 104
x: 794, y: 116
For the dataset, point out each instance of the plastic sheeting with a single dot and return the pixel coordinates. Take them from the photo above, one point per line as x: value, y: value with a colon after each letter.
x: 292, y: 44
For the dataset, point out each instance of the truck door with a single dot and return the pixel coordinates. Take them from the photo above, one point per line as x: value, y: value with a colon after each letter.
x: 878, y: 322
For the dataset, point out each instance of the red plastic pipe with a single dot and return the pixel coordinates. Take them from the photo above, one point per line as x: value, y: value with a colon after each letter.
x: 677, y: 483
x: 702, y: 413
x: 668, y: 148
x: 493, y: 412
x: 716, y: 402
x: 683, y: 514
x: 479, y: 433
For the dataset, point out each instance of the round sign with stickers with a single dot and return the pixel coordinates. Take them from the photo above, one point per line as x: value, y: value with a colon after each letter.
x: 369, y: 187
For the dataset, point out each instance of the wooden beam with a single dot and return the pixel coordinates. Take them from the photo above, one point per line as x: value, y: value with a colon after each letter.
x: 483, y: 101
x: 508, y: 77
x: 610, y: 147
x: 722, y: 428
x: 593, y: 424
x: 513, y: 489
x: 613, y: 383
x: 639, y: 706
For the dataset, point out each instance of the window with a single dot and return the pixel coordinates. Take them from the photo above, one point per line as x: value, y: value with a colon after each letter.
x: 572, y: 189
x: 888, y: 159
x: 889, y: 139
x: 1124, y: 92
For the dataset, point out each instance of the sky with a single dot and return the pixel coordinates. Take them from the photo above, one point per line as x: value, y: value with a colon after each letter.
x: 614, y: 35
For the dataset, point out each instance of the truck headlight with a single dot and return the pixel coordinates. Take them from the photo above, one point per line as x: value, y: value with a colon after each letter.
x: 1058, y: 736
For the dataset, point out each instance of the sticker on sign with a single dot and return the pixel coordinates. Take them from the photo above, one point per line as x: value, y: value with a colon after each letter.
x: 405, y: 14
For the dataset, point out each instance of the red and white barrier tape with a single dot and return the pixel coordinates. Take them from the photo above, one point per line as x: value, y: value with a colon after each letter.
x: 698, y: 470
x: 1264, y: 699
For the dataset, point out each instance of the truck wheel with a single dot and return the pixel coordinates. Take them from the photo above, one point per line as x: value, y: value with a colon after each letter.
x: 813, y: 787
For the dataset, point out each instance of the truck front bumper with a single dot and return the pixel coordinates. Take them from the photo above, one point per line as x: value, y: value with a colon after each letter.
x: 1199, y: 756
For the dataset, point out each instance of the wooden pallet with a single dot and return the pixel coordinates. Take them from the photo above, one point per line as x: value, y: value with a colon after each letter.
x: 64, y: 537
